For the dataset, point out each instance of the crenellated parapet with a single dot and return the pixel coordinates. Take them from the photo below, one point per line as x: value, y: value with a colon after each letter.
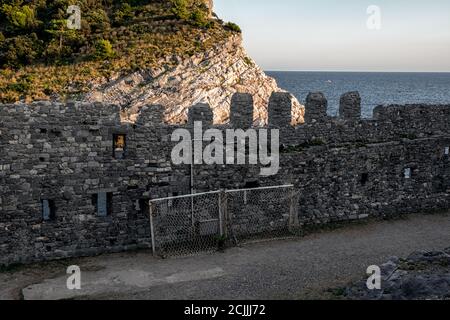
x: 387, y: 121
x: 280, y: 110
x: 60, y: 114
x: 200, y: 112
x: 151, y: 115
x: 316, y: 107
x: 411, y: 112
x: 241, y: 110
x: 71, y: 155
x: 350, y: 106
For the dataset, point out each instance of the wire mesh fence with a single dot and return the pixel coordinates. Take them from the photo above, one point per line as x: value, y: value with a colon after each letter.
x: 185, y: 225
x: 262, y: 213
x: 205, y: 222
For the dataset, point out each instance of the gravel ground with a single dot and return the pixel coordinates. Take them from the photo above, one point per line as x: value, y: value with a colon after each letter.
x: 289, y: 269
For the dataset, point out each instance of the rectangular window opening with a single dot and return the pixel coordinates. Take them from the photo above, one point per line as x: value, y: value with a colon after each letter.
x: 364, y: 178
x: 447, y: 151
x: 103, y: 203
x: 143, y: 206
x: 119, y: 146
x: 48, y: 210
x: 408, y: 173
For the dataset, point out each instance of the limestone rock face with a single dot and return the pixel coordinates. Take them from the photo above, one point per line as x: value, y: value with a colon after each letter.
x: 210, y: 5
x: 211, y: 77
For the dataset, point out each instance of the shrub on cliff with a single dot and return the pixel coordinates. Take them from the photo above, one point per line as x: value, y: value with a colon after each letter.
x: 103, y: 50
x: 19, y: 17
x: 180, y: 8
x: 99, y: 20
x: 200, y: 19
x: 19, y: 50
x: 233, y: 27
x: 193, y: 11
x: 123, y: 14
x: 62, y: 42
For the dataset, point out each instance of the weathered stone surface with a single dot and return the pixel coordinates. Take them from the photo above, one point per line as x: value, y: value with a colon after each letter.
x: 316, y: 107
x: 241, y: 111
x: 343, y: 170
x: 350, y: 106
x: 151, y: 114
x: 200, y: 112
x: 280, y: 109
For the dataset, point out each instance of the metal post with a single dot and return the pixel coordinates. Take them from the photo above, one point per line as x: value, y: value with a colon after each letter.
x: 293, y: 215
x: 152, y: 231
x: 220, y: 214
x: 225, y: 214
x: 192, y: 180
x: 192, y: 193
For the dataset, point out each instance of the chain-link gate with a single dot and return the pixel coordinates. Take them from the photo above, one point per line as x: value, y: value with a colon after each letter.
x: 185, y: 224
x: 202, y: 222
x: 262, y: 213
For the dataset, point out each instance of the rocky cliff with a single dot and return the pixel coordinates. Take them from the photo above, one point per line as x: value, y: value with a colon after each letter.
x: 170, y: 52
x: 210, y: 77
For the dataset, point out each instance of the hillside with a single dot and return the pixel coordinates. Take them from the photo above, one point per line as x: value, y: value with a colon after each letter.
x: 131, y: 53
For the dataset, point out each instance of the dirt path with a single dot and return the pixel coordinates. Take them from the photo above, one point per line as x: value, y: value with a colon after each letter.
x: 270, y: 270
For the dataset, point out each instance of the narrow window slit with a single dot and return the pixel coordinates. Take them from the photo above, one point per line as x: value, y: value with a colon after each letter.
x: 48, y: 210
x: 407, y: 173
x: 103, y: 203
x: 364, y: 178
x: 119, y: 146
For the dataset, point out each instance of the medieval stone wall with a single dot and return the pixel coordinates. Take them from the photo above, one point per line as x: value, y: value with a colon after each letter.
x: 344, y: 167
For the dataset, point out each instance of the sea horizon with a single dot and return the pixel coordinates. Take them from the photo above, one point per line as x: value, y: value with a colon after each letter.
x: 375, y: 88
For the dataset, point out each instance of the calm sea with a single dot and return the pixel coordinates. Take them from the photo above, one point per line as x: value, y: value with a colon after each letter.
x: 375, y: 88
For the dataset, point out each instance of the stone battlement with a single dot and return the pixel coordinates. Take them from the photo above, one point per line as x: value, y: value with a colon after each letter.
x: 241, y: 112
x: 58, y: 159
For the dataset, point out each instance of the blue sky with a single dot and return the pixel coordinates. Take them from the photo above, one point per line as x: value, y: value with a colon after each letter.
x: 332, y: 35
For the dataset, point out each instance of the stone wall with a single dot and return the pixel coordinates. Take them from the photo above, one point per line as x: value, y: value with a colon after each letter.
x: 344, y: 167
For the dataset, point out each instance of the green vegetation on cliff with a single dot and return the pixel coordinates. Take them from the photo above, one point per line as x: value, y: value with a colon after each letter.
x: 40, y: 55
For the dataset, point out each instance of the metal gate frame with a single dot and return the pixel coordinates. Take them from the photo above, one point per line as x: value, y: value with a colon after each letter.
x: 225, y: 221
